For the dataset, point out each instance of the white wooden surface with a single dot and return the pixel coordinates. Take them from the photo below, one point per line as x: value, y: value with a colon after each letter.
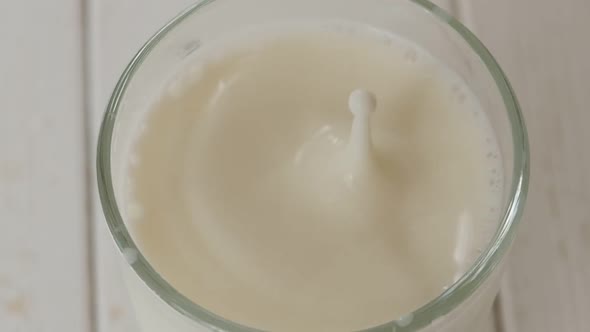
x: 60, y: 61
x: 544, y: 46
x: 44, y: 284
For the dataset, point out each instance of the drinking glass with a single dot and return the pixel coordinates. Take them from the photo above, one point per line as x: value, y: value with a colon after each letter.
x: 158, y: 305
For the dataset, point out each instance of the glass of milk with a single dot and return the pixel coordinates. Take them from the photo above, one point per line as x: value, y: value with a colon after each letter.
x: 245, y: 196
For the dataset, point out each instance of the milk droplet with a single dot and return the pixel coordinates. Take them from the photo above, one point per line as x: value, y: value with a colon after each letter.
x: 362, y: 102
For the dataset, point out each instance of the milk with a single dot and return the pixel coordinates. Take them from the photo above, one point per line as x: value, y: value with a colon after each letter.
x: 248, y: 194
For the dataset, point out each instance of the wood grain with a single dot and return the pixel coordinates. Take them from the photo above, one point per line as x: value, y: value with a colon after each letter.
x: 543, y: 46
x: 43, y: 218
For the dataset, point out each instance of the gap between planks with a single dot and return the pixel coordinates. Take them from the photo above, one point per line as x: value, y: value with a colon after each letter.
x: 86, y: 21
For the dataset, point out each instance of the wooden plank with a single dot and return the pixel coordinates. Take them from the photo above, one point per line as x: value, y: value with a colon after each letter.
x: 113, y: 42
x: 117, y: 29
x: 543, y: 46
x: 43, y: 207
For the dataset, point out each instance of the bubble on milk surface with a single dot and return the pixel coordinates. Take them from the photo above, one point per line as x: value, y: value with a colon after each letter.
x: 131, y: 255
x: 405, y: 320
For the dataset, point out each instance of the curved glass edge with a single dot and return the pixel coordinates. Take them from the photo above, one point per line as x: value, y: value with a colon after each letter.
x: 423, y: 316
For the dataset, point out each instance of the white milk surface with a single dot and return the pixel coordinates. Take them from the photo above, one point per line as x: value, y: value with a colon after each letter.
x: 244, y: 195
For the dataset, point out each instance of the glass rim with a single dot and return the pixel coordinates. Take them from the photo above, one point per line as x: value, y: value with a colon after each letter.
x: 449, y: 299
